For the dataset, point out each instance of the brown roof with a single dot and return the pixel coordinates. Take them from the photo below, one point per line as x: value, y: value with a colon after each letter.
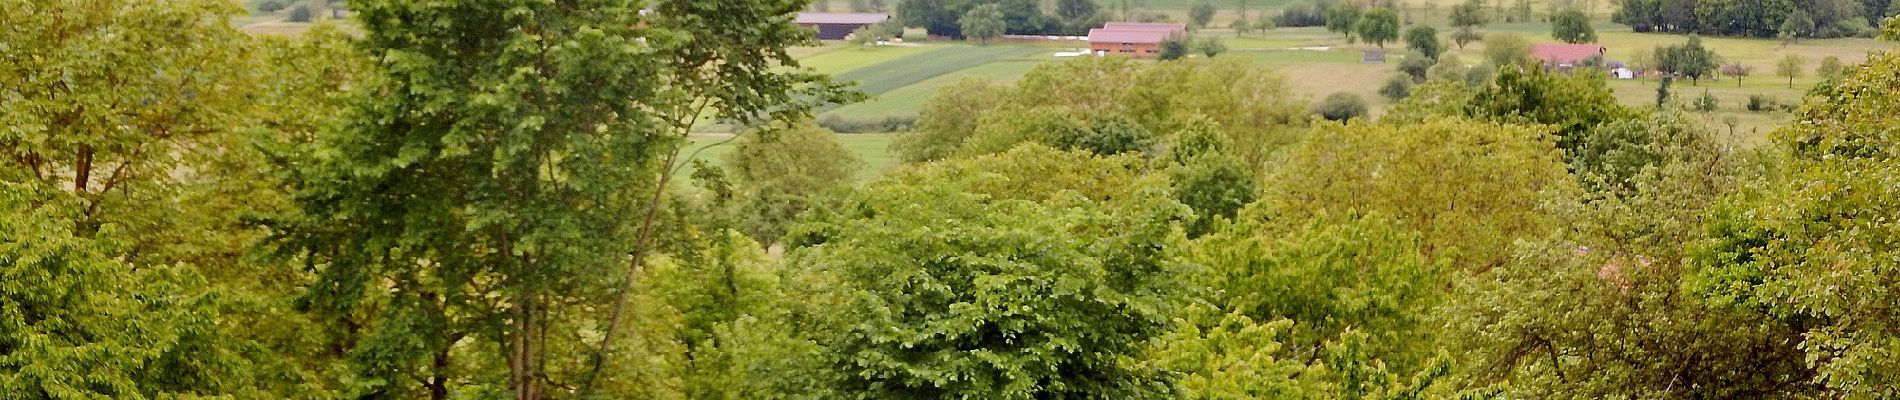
x: 1106, y: 35
x: 1565, y: 53
x: 842, y: 18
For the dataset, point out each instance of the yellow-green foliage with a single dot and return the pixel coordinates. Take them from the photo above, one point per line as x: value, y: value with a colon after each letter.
x: 1470, y: 187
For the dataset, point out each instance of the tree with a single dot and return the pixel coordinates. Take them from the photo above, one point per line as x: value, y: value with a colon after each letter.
x: 1570, y: 103
x: 1506, y: 49
x: 1830, y: 68
x: 1201, y: 13
x: 1038, y: 314
x: 1071, y: 10
x: 784, y: 170
x: 1341, y: 18
x: 1397, y: 87
x: 1424, y: 40
x: 1572, y: 26
x: 1025, y: 17
x: 947, y: 120
x: 1461, y: 184
x: 1341, y: 106
x: 1687, y: 59
x: 1797, y: 26
x: 140, y: 139
x: 1378, y: 26
x: 1737, y: 70
x: 1333, y: 276
x: 517, y: 204
x: 1210, y: 46
x: 1466, y: 17
x: 1790, y: 67
x: 1777, y: 246
x: 1175, y: 48
x: 984, y: 22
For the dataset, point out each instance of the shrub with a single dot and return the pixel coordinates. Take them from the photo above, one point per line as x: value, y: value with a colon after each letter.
x: 1341, y: 106
x: 1174, y: 48
x: 1397, y: 88
x: 1706, y: 102
x: 300, y: 14
x: 1760, y: 103
x: 1416, y: 66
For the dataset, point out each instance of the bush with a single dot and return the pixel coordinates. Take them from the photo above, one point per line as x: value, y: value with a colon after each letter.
x: 1760, y: 103
x: 1174, y: 48
x: 1706, y: 102
x: 1397, y: 88
x: 1341, y: 106
x: 1416, y: 66
x: 300, y: 14
x: 866, y: 125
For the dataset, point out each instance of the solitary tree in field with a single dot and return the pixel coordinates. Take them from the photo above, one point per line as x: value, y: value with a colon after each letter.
x: 983, y: 23
x: 1687, y: 59
x: 1738, y: 71
x: 1379, y: 26
x: 1201, y: 13
x: 1342, y: 18
x: 1572, y: 26
x: 1424, y: 40
x: 1466, y: 18
x: 1790, y: 67
x: 1830, y: 67
x: 1210, y: 46
x: 1505, y: 48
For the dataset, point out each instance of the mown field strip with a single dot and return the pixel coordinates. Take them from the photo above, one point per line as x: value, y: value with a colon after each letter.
x: 908, y: 70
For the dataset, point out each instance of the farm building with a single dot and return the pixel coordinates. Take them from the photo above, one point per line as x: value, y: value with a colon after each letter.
x: 1563, y: 57
x: 1137, y: 39
x: 836, y: 26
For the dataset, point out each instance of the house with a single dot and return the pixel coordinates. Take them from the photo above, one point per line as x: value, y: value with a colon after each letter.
x: 1136, y: 39
x: 837, y: 26
x: 1563, y: 57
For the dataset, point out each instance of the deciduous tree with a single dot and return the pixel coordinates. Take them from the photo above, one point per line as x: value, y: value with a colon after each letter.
x: 1790, y: 67
x: 983, y: 23
x: 1572, y: 26
x: 1378, y: 26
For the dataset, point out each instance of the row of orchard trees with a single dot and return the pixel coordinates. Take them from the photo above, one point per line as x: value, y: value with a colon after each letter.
x: 473, y: 200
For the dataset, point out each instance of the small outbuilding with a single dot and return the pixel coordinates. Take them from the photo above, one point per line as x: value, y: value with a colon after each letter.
x: 837, y: 26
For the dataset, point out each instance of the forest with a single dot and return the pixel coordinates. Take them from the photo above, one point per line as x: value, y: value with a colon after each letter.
x: 460, y: 199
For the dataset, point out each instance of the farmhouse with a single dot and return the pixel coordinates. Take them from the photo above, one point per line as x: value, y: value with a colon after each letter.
x: 1563, y: 57
x: 1136, y: 39
x: 836, y: 26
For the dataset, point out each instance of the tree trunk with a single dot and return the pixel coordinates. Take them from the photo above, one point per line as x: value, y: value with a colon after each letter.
x: 439, y: 383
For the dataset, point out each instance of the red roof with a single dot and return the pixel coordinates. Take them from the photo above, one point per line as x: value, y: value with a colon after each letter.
x: 1107, y: 35
x: 1146, y: 26
x: 842, y: 18
x: 1558, y: 54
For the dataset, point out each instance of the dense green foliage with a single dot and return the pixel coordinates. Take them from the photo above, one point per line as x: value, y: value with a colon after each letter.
x: 1755, y: 18
x: 476, y: 200
x: 1572, y: 26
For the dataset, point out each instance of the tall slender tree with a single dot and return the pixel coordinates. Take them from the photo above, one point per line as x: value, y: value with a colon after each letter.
x: 489, y: 188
